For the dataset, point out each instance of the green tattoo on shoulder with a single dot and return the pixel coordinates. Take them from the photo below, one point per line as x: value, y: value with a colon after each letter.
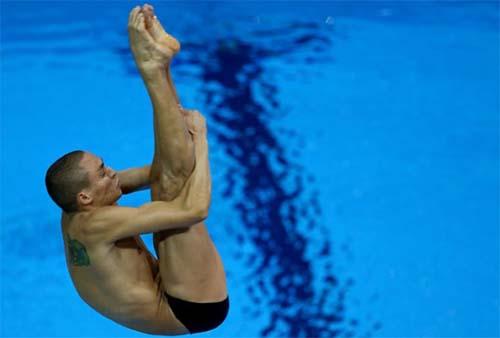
x: 77, y: 253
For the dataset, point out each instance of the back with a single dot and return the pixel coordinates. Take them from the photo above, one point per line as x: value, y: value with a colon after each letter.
x: 119, y: 279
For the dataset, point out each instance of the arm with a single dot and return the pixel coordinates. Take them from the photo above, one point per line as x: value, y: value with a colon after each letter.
x: 121, y: 222
x: 134, y: 179
x: 112, y: 223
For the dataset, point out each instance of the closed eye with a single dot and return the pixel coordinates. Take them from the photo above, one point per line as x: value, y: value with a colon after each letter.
x: 101, y: 167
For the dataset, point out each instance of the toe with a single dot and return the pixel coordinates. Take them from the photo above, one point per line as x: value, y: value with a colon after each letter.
x: 141, y: 27
x: 139, y: 21
x: 133, y: 14
x: 158, y: 26
x: 148, y: 9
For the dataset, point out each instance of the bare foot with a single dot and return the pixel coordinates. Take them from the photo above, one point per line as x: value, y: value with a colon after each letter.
x: 156, y: 30
x: 148, y: 54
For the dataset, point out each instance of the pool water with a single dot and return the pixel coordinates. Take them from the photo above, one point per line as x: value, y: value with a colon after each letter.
x: 354, y: 152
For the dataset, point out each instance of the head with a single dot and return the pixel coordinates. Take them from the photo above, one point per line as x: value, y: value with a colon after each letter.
x: 80, y: 181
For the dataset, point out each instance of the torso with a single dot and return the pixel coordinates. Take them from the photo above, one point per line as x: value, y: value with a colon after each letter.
x: 116, y: 279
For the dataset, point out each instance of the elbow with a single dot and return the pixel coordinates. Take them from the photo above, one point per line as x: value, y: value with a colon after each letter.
x: 201, y: 214
x: 204, y: 208
x: 197, y: 215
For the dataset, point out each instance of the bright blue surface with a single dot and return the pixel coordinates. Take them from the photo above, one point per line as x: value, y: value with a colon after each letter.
x: 354, y: 151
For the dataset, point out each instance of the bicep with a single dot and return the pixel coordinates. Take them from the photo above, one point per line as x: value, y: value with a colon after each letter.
x: 123, y: 222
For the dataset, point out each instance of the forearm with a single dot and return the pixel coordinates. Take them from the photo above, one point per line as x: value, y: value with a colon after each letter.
x: 134, y: 179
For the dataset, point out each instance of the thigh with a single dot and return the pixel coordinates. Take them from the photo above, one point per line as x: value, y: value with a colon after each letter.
x: 190, y: 265
x: 166, y: 186
x: 157, y: 194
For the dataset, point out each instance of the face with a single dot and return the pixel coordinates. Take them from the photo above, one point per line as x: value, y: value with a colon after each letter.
x: 104, y: 186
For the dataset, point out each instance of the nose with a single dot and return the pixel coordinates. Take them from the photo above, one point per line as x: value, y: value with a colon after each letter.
x: 112, y: 173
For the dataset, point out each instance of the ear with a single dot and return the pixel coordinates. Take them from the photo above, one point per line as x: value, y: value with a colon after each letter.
x: 84, y: 198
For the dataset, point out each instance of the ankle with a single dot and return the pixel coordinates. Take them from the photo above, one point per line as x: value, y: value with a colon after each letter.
x: 153, y: 72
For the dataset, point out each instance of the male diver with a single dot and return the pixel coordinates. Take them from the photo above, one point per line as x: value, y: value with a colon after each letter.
x: 184, y: 291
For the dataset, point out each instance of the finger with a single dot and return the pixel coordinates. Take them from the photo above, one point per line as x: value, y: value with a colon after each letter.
x: 190, y: 111
x: 203, y: 122
x: 192, y: 122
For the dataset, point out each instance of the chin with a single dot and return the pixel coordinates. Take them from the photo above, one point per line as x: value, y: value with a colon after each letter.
x: 115, y: 200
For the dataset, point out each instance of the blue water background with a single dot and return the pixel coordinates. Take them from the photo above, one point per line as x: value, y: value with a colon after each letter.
x: 354, y: 149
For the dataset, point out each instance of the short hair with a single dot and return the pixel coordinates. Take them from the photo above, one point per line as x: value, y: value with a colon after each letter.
x: 65, y: 178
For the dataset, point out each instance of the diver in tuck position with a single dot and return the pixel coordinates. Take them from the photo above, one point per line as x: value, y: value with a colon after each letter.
x: 184, y: 291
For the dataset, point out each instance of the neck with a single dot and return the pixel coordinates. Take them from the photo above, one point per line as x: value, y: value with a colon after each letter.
x: 91, y: 207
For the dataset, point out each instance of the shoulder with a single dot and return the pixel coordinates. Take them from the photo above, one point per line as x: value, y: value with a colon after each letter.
x: 97, y: 224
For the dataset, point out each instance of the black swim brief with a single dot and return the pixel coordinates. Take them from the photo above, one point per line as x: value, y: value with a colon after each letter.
x: 199, y: 317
